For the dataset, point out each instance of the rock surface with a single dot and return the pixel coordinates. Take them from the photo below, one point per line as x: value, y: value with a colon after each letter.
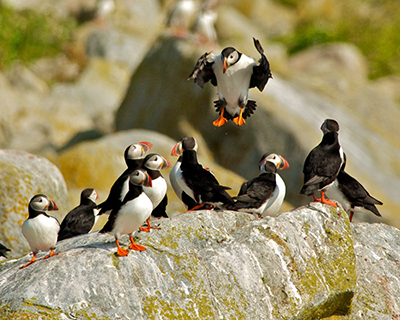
x: 23, y: 175
x: 200, y: 265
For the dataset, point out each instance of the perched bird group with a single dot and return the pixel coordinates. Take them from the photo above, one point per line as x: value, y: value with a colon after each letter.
x: 140, y: 192
x: 324, y: 171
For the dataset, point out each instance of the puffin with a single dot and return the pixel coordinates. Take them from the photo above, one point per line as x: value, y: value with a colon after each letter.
x: 82, y: 218
x: 133, y: 155
x: 40, y: 229
x: 3, y: 250
x: 157, y: 193
x: 197, y: 182
x: 234, y: 74
x: 177, y: 183
x: 323, y: 163
x: 352, y: 195
x: 264, y: 194
x: 130, y: 214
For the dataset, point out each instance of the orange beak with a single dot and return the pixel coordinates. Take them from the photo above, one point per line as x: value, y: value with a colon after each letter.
x: 285, y: 163
x: 224, y: 65
x: 176, y: 150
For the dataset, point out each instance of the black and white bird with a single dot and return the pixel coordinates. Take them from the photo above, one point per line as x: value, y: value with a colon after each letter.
x: 323, y: 163
x: 82, y: 218
x: 3, y: 250
x: 177, y: 182
x: 40, y: 229
x: 130, y: 214
x: 264, y: 194
x: 352, y: 195
x: 133, y: 155
x: 157, y: 193
x: 234, y: 73
x: 199, y: 183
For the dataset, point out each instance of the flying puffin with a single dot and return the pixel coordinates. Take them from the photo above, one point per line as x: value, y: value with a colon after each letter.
x: 40, y: 229
x: 82, y: 218
x: 352, y: 195
x: 234, y: 73
x: 264, y: 194
x: 157, y: 193
x: 177, y: 182
x: 3, y: 250
x: 133, y: 155
x: 323, y: 163
x: 129, y: 215
x: 199, y: 183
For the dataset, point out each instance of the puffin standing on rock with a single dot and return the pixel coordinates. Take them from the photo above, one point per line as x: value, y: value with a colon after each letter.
x: 323, y: 163
x: 40, y: 229
x: 133, y: 155
x: 264, y: 194
x: 157, y: 193
x: 82, y: 218
x: 129, y: 215
x: 352, y: 195
x: 234, y: 73
x: 197, y: 182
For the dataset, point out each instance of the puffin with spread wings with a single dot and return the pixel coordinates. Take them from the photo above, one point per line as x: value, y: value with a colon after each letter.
x: 234, y: 74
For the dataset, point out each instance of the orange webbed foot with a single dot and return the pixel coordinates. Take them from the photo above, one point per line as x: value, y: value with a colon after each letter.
x: 239, y: 119
x: 30, y: 262
x: 221, y: 120
x: 121, y: 252
x: 51, y: 254
x: 135, y: 246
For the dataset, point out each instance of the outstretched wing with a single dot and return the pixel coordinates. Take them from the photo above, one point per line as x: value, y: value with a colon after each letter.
x: 203, y: 71
x: 262, y: 72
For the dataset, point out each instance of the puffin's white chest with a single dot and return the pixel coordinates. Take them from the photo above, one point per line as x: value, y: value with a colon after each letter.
x: 157, y: 191
x: 274, y: 203
x: 132, y: 215
x: 174, y: 175
x: 233, y: 85
x: 41, y: 232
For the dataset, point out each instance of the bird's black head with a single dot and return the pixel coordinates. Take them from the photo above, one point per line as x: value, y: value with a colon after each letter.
x: 229, y: 57
x: 41, y: 203
x: 189, y: 143
x: 89, y: 194
x: 330, y: 125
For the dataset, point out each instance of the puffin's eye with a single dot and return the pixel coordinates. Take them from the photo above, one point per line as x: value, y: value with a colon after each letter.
x: 274, y: 157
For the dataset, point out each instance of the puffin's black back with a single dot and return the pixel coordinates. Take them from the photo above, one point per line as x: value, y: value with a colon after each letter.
x: 356, y: 194
x: 201, y: 181
x: 322, y: 164
x: 79, y: 220
x: 255, y: 192
x: 134, y: 192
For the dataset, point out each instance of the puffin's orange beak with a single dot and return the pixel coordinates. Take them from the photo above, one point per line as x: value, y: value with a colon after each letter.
x: 176, y: 151
x: 285, y: 164
x: 224, y: 65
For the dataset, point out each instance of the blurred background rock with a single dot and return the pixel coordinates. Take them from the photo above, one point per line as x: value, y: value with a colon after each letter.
x: 81, y: 80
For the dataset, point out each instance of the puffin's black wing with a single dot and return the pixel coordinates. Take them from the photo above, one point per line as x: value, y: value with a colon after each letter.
x: 356, y: 194
x: 160, y: 210
x: 204, y: 184
x: 114, y: 196
x: 79, y: 220
x: 3, y: 250
x: 203, y: 72
x: 257, y: 192
x: 262, y: 72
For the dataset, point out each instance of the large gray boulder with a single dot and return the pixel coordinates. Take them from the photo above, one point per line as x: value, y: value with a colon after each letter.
x: 200, y: 265
x: 23, y: 175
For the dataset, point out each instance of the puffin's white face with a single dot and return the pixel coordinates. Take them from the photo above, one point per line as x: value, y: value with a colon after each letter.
x: 140, y: 178
x: 279, y: 162
x: 42, y: 203
x: 94, y: 196
x: 157, y: 162
x: 137, y: 150
x: 232, y: 58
